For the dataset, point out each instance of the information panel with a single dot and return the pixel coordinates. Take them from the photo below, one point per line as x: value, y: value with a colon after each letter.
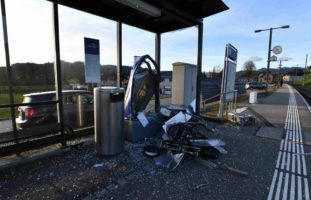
x: 92, y: 61
x: 230, y: 81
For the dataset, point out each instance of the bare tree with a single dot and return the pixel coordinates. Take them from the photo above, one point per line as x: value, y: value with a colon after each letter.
x: 249, y: 68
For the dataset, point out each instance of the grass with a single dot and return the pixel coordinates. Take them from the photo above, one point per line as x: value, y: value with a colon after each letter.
x: 19, y: 91
x: 307, y: 80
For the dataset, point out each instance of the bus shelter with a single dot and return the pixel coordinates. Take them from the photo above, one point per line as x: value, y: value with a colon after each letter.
x: 156, y: 16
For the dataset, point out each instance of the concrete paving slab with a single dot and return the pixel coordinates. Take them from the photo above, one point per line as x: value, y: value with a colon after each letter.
x: 274, y: 107
x: 270, y: 132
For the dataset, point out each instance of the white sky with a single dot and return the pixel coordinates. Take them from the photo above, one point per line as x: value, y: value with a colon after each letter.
x: 31, y: 35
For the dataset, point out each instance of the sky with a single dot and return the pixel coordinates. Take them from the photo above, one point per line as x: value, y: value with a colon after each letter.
x: 30, y: 34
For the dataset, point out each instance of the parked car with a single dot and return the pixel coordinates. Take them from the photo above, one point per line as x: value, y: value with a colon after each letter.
x: 255, y: 85
x: 38, y: 115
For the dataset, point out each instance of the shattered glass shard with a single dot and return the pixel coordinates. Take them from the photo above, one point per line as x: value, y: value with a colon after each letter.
x: 169, y: 160
x: 207, y: 142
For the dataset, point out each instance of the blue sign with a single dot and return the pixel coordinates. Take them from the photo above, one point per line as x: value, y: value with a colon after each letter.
x: 92, y: 62
x: 91, y: 46
x: 232, y: 53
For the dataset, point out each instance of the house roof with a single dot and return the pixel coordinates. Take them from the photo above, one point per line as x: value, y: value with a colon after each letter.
x: 175, y: 14
x: 166, y: 74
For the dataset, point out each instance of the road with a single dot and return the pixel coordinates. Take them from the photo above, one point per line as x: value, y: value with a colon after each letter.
x: 5, y: 126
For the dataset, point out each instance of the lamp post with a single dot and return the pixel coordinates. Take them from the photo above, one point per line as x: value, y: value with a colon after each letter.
x: 269, y: 48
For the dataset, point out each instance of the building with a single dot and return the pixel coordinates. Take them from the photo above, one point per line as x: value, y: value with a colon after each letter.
x: 166, y: 83
x: 289, y: 78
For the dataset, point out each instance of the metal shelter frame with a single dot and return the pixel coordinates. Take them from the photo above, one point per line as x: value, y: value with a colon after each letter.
x: 174, y: 17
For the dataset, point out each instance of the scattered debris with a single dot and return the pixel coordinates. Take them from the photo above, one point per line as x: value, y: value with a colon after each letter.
x: 241, y: 110
x: 200, y: 185
x: 179, y: 118
x: 169, y: 160
x: 206, y: 163
x: 185, y: 133
x: 212, y: 165
x: 231, y: 169
x: 151, y: 150
x: 241, y: 118
x: 98, y: 165
x: 184, y: 148
x: 165, y: 112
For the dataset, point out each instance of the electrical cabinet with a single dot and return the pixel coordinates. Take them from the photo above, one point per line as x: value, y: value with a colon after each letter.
x: 184, y: 83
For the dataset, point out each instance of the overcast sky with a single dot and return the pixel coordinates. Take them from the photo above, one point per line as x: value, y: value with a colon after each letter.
x: 31, y: 35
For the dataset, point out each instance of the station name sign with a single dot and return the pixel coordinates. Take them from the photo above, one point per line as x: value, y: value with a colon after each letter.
x: 232, y: 52
x: 92, y: 61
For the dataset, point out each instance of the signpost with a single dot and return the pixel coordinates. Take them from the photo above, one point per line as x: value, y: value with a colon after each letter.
x: 273, y: 58
x: 228, y: 79
x: 92, y: 62
x: 277, y: 49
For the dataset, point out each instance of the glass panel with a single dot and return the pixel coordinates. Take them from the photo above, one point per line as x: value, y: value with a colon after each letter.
x: 72, y: 34
x: 6, y: 129
x: 36, y: 121
x: 31, y: 53
x: 78, y: 109
x: 77, y: 94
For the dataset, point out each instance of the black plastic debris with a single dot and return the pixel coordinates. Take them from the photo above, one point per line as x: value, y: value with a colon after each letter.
x: 185, y: 133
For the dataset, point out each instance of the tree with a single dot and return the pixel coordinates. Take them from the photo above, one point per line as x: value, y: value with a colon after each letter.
x: 249, y: 67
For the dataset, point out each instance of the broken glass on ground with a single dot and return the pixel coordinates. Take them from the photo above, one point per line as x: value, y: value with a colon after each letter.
x: 169, y: 160
x: 216, y: 143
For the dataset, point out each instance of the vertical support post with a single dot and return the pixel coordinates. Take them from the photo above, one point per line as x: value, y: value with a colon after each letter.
x: 8, y: 68
x: 279, y: 74
x: 223, y: 82
x: 235, y: 99
x: 304, y: 72
x: 158, y: 61
x: 199, y: 68
x: 269, y: 55
x: 119, y: 54
x: 57, y: 70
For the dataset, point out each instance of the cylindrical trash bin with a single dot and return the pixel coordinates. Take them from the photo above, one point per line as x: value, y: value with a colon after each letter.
x: 253, y: 97
x: 109, y: 120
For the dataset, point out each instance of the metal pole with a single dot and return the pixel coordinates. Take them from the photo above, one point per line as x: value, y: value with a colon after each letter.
x: 279, y: 79
x: 119, y: 54
x: 199, y: 68
x: 269, y: 55
x: 235, y: 99
x: 57, y: 69
x: 222, y: 97
x: 158, y: 61
x: 304, y: 72
x: 8, y: 68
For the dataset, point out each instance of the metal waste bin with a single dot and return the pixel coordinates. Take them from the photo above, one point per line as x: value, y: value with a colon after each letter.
x: 109, y: 120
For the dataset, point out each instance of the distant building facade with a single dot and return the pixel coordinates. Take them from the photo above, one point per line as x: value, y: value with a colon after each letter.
x: 289, y: 78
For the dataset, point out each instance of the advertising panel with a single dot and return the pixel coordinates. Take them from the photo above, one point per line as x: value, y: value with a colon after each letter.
x: 230, y: 81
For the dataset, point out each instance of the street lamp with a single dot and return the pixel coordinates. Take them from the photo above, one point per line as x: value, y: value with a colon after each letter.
x: 279, y: 74
x: 269, y: 48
